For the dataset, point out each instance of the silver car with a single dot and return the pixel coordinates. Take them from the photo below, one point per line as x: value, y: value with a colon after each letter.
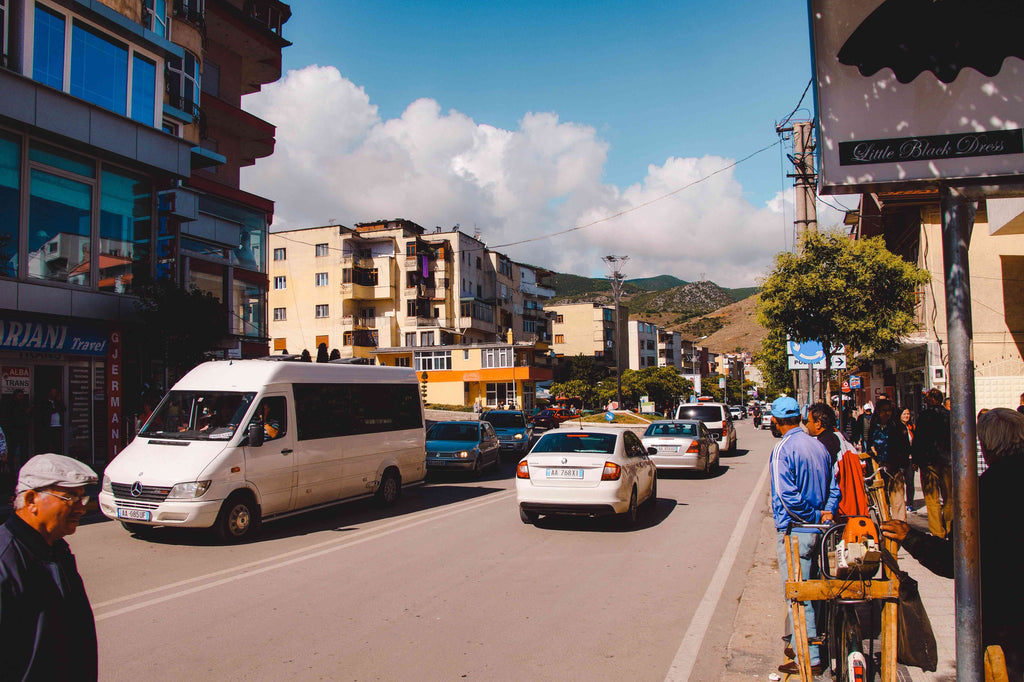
x: 682, y: 444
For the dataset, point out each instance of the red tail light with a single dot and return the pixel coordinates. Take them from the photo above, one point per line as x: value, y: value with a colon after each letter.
x: 694, y: 447
x: 523, y: 470
x: 611, y: 472
x: 725, y: 427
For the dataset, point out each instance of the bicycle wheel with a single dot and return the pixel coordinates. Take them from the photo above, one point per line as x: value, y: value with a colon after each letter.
x: 850, y: 662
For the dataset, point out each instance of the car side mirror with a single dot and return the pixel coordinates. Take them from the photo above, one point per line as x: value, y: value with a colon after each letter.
x: 255, y: 435
x: 652, y: 451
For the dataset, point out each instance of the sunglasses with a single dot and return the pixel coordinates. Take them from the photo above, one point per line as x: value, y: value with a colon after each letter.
x: 71, y: 500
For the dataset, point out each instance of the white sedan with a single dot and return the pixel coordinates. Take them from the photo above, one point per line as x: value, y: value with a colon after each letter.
x: 682, y: 444
x: 596, y: 472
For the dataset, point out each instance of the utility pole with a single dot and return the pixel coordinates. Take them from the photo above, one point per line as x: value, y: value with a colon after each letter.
x: 805, y: 182
x: 614, y: 264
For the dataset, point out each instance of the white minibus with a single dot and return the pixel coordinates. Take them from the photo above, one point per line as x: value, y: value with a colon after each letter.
x: 238, y: 442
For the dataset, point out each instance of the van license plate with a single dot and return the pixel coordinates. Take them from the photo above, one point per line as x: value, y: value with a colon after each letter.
x: 134, y: 514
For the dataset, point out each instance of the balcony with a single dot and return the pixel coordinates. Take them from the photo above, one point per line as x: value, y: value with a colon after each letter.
x: 255, y: 136
x: 361, y: 322
x: 252, y: 29
x: 354, y: 261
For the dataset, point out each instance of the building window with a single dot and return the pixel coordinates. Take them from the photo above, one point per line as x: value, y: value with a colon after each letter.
x: 154, y: 14
x: 280, y: 254
x: 126, y: 223
x: 410, y: 339
x: 425, y: 361
x: 183, y: 83
x: 281, y: 282
x: 321, y: 279
x: 503, y: 393
x: 143, y: 90
x: 321, y: 310
x: 48, y: 49
x: 412, y: 307
x: 211, y: 78
x: 280, y: 314
x: 478, y: 262
x: 410, y: 248
x: 427, y: 338
x: 402, y: 361
x: 559, y: 319
x: 248, y: 301
x: 496, y: 357
x: 412, y: 279
x: 529, y: 326
x: 99, y: 69
x: 608, y: 316
x: 60, y: 216
x: 322, y: 250
x: 346, y: 338
x: 559, y: 338
x: 10, y: 194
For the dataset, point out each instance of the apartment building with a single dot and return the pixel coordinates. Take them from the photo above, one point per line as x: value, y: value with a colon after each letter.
x: 911, y: 224
x: 670, y: 349
x: 589, y: 329
x: 643, y: 344
x: 121, y: 136
x: 388, y: 285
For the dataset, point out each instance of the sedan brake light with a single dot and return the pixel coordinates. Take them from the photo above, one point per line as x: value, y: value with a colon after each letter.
x: 523, y: 470
x: 611, y: 472
x: 694, y: 447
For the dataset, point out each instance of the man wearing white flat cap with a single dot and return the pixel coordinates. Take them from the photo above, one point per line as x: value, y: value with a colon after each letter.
x: 47, y: 630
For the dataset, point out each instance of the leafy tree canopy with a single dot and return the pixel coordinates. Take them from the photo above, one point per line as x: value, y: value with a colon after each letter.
x: 176, y: 325
x: 841, y: 291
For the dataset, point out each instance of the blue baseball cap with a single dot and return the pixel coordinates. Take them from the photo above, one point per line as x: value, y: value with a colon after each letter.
x: 785, y: 407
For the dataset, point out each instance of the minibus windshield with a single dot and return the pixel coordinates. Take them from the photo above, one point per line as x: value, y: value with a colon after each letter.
x: 198, y: 415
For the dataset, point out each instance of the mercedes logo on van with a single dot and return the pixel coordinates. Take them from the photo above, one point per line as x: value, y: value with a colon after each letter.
x: 136, y: 489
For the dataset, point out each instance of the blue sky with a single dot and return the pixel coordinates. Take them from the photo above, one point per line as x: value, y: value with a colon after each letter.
x: 533, y: 117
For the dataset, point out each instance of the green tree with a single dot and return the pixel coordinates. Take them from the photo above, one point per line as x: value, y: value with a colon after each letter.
x: 177, y: 326
x: 771, y: 360
x: 841, y: 291
x: 580, y: 368
x: 575, y: 387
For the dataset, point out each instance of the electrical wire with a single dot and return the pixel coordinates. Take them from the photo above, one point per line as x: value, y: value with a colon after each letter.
x: 797, y: 107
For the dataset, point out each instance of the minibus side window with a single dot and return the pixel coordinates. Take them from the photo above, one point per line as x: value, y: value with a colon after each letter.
x: 333, y: 410
x: 272, y: 414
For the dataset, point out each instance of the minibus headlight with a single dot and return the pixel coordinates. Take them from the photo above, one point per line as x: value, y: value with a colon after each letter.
x: 105, y: 486
x: 188, y: 491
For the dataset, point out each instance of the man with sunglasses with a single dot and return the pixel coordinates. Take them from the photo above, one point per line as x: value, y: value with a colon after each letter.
x: 47, y: 630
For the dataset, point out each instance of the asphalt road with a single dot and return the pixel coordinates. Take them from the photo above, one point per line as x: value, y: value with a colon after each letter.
x: 447, y: 585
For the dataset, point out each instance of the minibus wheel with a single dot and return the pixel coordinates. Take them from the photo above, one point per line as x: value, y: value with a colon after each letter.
x: 238, y: 518
x: 390, y: 488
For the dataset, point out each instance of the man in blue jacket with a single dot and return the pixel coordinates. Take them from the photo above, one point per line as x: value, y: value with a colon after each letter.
x: 47, y: 630
x: 804, y: 491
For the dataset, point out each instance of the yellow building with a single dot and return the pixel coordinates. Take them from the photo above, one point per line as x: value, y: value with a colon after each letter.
x: 494, y: 373
x: 589, y: 329
x: 911, y: 224
x: 382, y: 289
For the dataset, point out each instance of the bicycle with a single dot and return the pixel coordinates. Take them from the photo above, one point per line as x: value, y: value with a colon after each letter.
x: 857, y: 609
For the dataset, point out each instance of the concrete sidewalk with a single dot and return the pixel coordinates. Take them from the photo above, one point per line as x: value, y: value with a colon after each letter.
x: 755, y: 649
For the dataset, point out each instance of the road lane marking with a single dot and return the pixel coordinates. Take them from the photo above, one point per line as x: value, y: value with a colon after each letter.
x: 686, y: 656
x: 298, y: 555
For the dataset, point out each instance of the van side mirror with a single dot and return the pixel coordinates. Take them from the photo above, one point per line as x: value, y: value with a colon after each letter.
x: 255, y: 435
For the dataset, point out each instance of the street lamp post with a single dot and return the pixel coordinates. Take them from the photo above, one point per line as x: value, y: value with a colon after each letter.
x: 614, y: 264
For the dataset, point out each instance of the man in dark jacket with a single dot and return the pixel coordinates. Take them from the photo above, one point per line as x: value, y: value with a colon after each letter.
x: 47, y: 630
x: 1001, y: 432
x: 931, y: 453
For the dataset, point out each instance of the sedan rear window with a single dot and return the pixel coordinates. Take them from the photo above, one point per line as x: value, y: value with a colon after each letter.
x: 468, y: 432
x: 671, y: 429
x: 506, y: 419
x: 705, y: 413
x: 603, y: 443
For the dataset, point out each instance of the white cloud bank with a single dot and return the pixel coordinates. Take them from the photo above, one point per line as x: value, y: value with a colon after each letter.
x: 336, y: 159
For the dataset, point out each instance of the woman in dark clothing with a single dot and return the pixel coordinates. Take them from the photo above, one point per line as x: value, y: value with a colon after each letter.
x: 1001, y: 433
x: 887, y: 441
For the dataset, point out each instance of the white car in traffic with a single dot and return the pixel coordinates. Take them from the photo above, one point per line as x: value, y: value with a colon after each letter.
x: 682, y: 444
x: 596, y: 472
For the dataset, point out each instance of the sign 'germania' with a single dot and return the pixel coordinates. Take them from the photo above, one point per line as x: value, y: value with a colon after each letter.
x: 918, y: 92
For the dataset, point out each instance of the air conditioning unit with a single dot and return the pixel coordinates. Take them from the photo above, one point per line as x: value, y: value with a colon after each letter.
x: 938, y: 374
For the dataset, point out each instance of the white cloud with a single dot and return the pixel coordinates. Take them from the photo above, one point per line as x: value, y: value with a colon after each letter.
x: 336, y: 159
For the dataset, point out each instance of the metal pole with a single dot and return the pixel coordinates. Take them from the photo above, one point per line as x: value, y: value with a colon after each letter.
x: 957, y: 223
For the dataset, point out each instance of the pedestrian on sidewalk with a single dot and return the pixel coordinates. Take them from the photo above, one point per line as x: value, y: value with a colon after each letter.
x: 907, y: 419
x: 932, y: 457
x: 1001, y: 432
x: 887, y: 442
x: 804, y: 491
x: 47, y: 630
x: 859, y: 433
